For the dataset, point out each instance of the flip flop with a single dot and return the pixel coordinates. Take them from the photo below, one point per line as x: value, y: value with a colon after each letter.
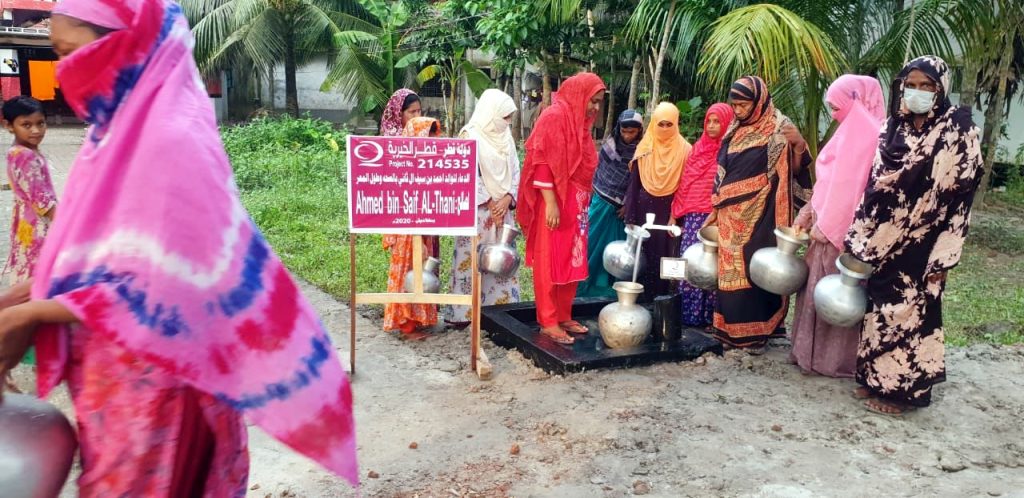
x: 560, y: 339
x: 871, y: 406
x: 574, y: 327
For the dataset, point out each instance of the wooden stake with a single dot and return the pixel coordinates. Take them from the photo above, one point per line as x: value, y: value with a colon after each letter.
x: 352, y: 303
x: 475, y: 308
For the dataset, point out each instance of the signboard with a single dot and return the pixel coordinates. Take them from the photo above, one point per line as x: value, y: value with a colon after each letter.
x: 419, y: 186
x: 673, y: 269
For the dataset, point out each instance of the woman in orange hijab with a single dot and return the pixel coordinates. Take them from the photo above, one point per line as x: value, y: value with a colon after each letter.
x: 412, y: 320
x: 654, y: 178
x: 554, y: 199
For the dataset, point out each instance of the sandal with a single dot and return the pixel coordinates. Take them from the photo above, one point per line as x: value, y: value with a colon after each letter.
x: 560, y: 336
x: 10, y: 386
x: 889, y: 408
x: 574, y: 327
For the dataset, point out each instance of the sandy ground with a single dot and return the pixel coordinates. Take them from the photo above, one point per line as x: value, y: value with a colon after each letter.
x: 738, y: 425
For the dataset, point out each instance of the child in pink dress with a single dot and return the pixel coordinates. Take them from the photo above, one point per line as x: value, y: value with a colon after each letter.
x: 35, y: 202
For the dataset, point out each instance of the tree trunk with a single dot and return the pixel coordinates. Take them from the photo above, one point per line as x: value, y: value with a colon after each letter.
x: 590, y: 25
x: 517, y: 94
x: 291, y: 89
x: 545, y: 79
x: 996, y: 115
x: 634, y: 83
x: 666, y: 35
x: 609, y: 122
x: 969, y: 85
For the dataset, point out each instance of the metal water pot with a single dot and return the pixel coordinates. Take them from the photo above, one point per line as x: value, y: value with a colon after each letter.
x: 37, y: 446
x: 624, y: 324
x: 702, y: 260
x: 620, y: 256
x: 501, y: 258
x: 778, y: 269
x: 431, y: 283
x: 841, y: 299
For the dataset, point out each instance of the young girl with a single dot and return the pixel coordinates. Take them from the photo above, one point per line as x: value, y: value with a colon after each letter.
x: 34, y: 199
x: 35, y: 202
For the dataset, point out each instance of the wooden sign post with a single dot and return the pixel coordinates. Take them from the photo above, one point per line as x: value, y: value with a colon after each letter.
x: 414, y: 186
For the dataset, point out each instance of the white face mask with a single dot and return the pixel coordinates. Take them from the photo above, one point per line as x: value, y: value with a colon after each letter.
x: 918, y: 101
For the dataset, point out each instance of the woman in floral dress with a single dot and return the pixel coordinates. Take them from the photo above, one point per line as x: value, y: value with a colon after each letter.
x: 496, y: 189
x: 911, y: 226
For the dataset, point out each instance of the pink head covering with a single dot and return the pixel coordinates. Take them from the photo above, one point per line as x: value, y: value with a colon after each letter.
x: 112, y: 15
x: 179, y: 276
x: 391, y: 119
x: 844, y: 163
x: 849, y: 89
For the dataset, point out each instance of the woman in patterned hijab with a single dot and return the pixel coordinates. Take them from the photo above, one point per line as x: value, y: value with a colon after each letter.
x: 911, y: 226
x: 763, y: 169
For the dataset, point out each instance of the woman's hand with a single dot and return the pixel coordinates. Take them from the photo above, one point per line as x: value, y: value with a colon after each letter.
x: 499, y: 209
x: 805, y: 218
x: 551, y: 214
x: 795, y: 139
x: 712, y: 219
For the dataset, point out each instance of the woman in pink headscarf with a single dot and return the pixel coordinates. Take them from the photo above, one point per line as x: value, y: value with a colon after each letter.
x: 842, y: 172
x: 161, y: 305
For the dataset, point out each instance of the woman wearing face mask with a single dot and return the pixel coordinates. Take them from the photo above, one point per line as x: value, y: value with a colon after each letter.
x: 763, y: 171
x: 653, y: 181
x: 554, y: 196
x: 496, y: 188
x: 162, y: 307
x: 606, y: 211
x: 692, y: 205
x: 911, y: 226
x: 842, y: 171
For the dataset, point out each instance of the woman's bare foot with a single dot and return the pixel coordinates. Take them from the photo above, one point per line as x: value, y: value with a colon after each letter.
x: 574, y: 327
x: 416, y: 335
x: 862, y: 393
x: 890, y: 408
x: 557, y: 334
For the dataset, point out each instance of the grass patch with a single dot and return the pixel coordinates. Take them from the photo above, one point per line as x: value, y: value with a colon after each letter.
x: 984, y: 300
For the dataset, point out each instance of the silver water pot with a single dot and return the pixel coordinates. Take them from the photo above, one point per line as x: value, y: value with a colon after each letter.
x: 619, y: 257
x: 841, y: 299
x: 778, y: 269
x: 431, y: 282
x: 702, y: 260
x: 37, y: 446
x: 624, y: 324
x: 501, y: 258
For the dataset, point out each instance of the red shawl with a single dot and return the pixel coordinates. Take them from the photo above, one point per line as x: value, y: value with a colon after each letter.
x: 694, y: 193
x: 561, y: 139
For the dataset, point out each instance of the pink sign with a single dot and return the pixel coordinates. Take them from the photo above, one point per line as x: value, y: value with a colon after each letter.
x: 420, y: 186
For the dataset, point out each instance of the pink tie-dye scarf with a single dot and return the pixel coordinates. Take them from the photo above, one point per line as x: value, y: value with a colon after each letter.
x: 153, y: 249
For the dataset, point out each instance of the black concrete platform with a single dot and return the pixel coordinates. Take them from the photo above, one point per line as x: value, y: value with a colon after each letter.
x: 514, y: 326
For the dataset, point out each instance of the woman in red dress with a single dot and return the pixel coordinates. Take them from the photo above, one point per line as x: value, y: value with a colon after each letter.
x: 554, y: 199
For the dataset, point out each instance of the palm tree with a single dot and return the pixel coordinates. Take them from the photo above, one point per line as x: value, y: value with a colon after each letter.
x: 792, y: 55
x: 263, y: 33
x: 365, y: 68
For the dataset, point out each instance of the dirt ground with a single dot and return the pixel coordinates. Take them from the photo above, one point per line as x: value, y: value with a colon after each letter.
x: 737, y: 425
